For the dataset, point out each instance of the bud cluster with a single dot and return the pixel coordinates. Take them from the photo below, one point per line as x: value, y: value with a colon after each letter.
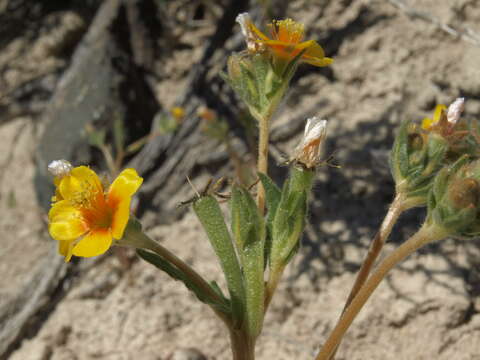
x: 420, y: 152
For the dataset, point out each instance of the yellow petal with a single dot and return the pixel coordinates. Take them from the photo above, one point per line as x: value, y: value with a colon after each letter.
x: 438, y: 112
x: 257, y: 32
x: 63, y: 210
x: 318, y: 62
x: 120, y: 218
x: 427, y: 123
x: 65, y: 248
x: 95, y: 243
x: 66, y: 222
x: 124, y: 186
x: 66, y: 230
x: 82, y: 180
x: 314, y: 50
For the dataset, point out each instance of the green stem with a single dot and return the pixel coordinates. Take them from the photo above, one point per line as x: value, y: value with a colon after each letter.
x: 425, y: 235
x: 262, y: 164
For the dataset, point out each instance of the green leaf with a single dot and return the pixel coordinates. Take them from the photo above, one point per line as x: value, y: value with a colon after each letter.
x: 249, y: 229
x: 177, y: 274
x: 210, y: 215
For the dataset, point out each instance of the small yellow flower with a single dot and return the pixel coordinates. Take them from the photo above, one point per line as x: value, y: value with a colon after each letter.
x: 178, y: 113
x: 85, y: 218
x: 285, y: 42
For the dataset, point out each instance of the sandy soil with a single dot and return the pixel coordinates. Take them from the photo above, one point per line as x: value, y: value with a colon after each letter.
x: 389, y: 66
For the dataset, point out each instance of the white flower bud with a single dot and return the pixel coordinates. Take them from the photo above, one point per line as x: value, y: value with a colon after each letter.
x: 244, y: 20
x: 60, y: 168
x: 251, y: 38
x: 455, y: 110
x: 309, y: 151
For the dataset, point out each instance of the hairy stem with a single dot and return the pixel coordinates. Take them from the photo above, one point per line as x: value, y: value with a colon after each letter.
x: 243, y: 347
x: 425, y: 235
x: 262, y: 164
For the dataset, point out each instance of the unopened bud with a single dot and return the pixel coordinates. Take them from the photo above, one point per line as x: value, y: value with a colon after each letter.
x: 455, y: 110
x: 309, y: 150
x: 60, y: 168
x: 464, y: 193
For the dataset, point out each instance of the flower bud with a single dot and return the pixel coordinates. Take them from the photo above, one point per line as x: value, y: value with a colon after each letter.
x: 60, y: 168
x: 454, y: 199
x: 455, y: 110
x: 309, y: 151
x: 414, y: 160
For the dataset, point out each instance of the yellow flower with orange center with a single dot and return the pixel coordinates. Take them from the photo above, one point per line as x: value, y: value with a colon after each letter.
x: 85, y: 218
x: 286, y: 41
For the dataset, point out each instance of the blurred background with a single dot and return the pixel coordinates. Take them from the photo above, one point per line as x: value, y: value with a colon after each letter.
x: 136, y: 83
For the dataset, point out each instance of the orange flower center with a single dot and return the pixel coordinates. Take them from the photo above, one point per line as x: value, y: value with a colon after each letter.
x: 95, y: 210
x: 287, y: 31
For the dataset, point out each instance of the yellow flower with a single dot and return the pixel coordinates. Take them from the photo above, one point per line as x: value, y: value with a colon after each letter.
x: 85, y: 218
x: 427, y: 123
x: 285, y: 42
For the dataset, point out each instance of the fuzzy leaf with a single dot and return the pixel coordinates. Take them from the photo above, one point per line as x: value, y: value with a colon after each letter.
x: 210, y: 215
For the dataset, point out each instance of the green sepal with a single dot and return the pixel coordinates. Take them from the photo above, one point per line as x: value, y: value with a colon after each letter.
x: 290, y: 215
x: 179, y: 275
x: 441, y: 209
x: 133, y: 225
x: 248, y: 228
x: 399, y: 162
x: 287, y: 226
x: 250, y: 89
x: 259, y: 82
x: 210, y: 215
x: 273, y: 195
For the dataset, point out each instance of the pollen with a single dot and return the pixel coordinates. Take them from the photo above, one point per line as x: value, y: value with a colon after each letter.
x: 287, y: 31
